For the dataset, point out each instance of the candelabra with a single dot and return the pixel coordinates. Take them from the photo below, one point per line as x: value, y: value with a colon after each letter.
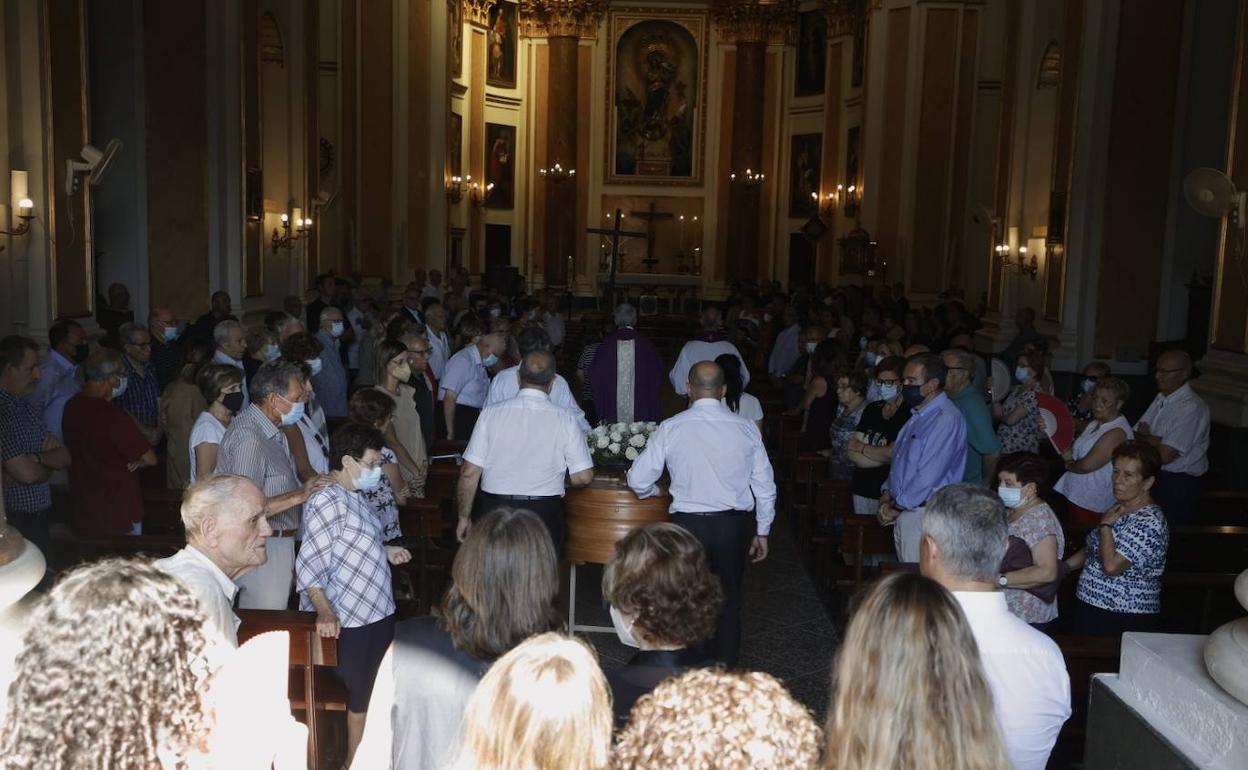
x: 479, y: 192
x: 286, y: 236
x: 750, y: 178
x: 1021, y: 265
x: 455, y: 188
x: 557, y: 173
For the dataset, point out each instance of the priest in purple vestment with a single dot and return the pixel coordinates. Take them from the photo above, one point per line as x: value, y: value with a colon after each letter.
x: 627, y: 373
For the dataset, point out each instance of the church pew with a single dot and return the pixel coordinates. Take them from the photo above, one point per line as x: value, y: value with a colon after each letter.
x: 821, y: 541
x: 441, y: 482
x: 431, y: 525
x: 864, y: 537
x: 162, y: 511
x: 147, y: 546
x: 1085, y: 656
x: 1210, y: 548
x: 313, y: 685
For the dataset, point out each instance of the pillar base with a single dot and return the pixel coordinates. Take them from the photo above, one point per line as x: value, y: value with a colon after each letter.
x: 1221, y: 385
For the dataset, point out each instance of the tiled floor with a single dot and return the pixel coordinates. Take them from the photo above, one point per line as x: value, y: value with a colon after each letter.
x: 786, y: 631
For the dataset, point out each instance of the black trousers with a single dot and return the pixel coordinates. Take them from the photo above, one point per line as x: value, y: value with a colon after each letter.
x: 726, y: 537
x: 1178, y: 494
x: 465, y: 421
x: 1086, y: 620
x: 35, y: 528
x: 549, y: 509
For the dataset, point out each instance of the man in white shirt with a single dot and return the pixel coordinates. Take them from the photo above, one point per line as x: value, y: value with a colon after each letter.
x: 464, y: 388
x: 552, y: 321
x: 521, y: 449
x: 1177, y: 424
x: 439, y: 340
x: 709, y: 345
x: 226, y: 534
x: 231, y: 345
x: 506, y: 384
x: 786, y: 352
x: 720, y: 473
x: 964, y: 540
x: 58, y: 383
x: 434, y: 287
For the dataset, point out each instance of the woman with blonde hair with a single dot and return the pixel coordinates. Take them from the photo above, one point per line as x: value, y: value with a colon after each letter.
x: 542, y: 706
x: 727, y: 720
x: 908, y: 686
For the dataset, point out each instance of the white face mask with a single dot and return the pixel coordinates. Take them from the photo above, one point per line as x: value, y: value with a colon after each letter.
x: 489, y: 360
x: 623, y: 629
x: 810, y: 346
x: 335, y: 329
x: 368, y: 479
x: 271, y: 352
x: 315, y: 365
x: 1087, y: 386
x: 1022, y: 374
x: 1012, y: 497
x: 117, y: 391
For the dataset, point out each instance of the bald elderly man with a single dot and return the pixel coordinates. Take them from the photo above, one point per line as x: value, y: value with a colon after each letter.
x: 1177, y: 424
x: 226, y: 537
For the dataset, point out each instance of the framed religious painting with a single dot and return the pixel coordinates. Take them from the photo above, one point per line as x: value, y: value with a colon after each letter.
x: 502, y: 43
x: 656, y: 96
x: 805, y: 162
x: 500, y: 161
x: 455, y: 33
x: 810, y: 70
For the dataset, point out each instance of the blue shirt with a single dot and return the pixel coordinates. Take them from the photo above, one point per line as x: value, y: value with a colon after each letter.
x: 981, y: 439
x: 331, y: 382
x: 1142, y: 537
x: 21, y: 433
x: 142, y: 396
x: 930, y: 453
x: 58, y: 383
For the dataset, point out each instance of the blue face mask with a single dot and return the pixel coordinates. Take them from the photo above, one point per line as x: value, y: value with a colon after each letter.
x: 271, y: 352
x: 889, y: 392
x: 1022, y: 374
x: 295, y: 414
x: 489, y: 360
x: 315, y: 364
x: 117, y: 391
x: 368, y: 479
x: 335, y: 329
x: 872, y: 359
x: 170, y: 334
x: 1012, y: 497
x: 912, y: 395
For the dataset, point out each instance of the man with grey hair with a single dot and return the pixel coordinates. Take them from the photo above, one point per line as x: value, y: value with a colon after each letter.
x: 626, y: 376
x: 709, y: 345
x: 506, y: 384
x: 231, y: 342
x: 983, y: 449
x: 723, y: 490
x: 254, y: 446
x: 226, y: 533
x: 520, y: 450
x: 142, y: 397
x: 107, y: 448
x: 963, y: 542
x: 330, y: 377
x: 286, y: 326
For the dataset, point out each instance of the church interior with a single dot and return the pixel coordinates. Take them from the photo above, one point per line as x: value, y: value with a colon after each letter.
x: 1061, y: 180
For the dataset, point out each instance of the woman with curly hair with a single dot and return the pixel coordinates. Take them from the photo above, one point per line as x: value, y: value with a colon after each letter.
x: 725, y: 720
x: 542, y: 706
x: 665, y: 602
x: 113, y: 659
x: 908, y: 686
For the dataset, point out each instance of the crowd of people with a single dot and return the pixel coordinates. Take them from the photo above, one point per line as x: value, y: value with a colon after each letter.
x: 298, y: 440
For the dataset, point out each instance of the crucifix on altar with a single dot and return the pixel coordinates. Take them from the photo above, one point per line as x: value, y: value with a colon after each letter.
x: 650, y: 216
x: 616, y: 233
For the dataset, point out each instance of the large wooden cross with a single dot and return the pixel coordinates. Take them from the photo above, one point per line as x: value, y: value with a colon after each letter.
x: 651, y: 216
x: 616, y: 233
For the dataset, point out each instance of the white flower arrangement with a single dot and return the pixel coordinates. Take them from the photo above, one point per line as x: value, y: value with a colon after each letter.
x: 619, y: 443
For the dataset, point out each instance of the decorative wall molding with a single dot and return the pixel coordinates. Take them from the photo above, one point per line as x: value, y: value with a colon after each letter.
x: 757, y: 21
x: 477, y: 12
x: 561, y: 18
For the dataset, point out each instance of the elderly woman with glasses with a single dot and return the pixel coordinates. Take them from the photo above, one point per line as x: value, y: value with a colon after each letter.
x: 1088, y: 482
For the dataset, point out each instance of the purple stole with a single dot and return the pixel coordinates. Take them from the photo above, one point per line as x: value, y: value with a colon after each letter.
x: 647, y: 377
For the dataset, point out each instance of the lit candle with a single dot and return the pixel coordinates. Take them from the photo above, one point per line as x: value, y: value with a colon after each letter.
x: 24, y: 207
x: 285, y: 219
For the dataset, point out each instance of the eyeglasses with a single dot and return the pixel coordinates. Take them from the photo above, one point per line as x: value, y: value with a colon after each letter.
x: 883, y: 382
x: 418, y: 351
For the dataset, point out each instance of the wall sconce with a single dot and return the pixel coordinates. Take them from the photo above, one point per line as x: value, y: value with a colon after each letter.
x: 1022, y: 265
x: 825, y: 203
x: 479, y: 192
x: 557, y: 173
x: 25, y: 213
x: 750, y: 178
x: 455, y: 188
x: 852, y: 198
x: 285, y: 237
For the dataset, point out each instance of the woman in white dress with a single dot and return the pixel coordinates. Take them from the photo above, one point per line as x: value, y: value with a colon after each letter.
x: 222, y: 388
x: 1088, y: 482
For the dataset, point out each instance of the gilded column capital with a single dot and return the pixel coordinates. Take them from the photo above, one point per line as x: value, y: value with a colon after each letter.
x: 844, y: 16
x: 477, y: 12
x: 757, y: 21
x: 561, y: 18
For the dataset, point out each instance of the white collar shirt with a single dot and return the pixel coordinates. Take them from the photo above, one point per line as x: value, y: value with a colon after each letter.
x: 786, y: 351
x: 506, y: 384
x: 220, y: 357
x: 553, y: 323
x: 212, y: 588
x: 696, y: 351
x: 58, y: 383
x: 525, y: 445
x: 357, y: 319
x: 439, y: 352
x: 466, y: 378
x: 1026, y: 673
x: 1181, y: 420
x: 717, y: 462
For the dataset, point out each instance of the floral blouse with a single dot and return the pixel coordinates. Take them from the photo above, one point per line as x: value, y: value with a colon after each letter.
x: 841, y: 431
x: 1142, y: 537
x: 1024, y: 435
x: 1036, y: 523
x: 384, y: 503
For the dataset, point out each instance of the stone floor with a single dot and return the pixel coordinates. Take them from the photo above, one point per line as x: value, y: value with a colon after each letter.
x: 786, y: 631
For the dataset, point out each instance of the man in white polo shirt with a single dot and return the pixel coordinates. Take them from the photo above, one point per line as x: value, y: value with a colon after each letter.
x: 520, y: 451
x: 963, y: 542
x: 1177, y: 424
x: 466, y: 384
x: 226, y: 532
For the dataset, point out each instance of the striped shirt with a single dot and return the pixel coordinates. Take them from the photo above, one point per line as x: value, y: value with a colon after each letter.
x: 343, y: 555
x: 142, y: 396
x: 254, y: 447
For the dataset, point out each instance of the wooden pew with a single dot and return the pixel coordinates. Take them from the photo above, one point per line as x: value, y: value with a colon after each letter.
x: 1085, y: 656
x: 864, y: 536
x: 148, y: 546
x: 314, y: 687
x: 162, y: 511
x: 429, y: 522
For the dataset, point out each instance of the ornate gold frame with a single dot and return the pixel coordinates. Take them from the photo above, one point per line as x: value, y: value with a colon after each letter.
x: 697, y: 23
